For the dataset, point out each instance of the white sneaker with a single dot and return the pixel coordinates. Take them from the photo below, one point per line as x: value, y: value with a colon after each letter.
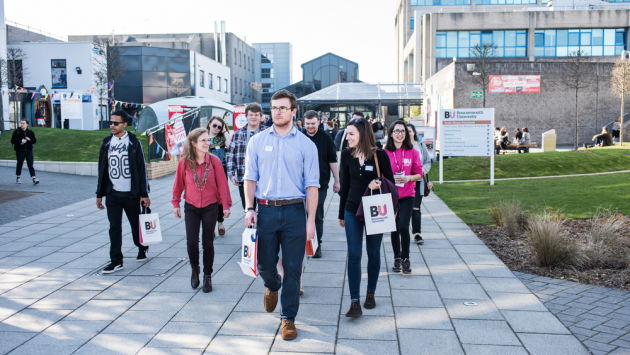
x: 18, y: 180
x: 35, y: 181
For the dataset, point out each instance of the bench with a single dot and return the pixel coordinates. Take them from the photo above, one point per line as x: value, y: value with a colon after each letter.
x: 518, y: 146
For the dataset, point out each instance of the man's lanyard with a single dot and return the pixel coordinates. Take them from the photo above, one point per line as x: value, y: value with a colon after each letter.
x: 403, y: 159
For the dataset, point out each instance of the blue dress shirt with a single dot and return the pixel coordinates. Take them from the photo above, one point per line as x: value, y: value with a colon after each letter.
x: 282, y: 166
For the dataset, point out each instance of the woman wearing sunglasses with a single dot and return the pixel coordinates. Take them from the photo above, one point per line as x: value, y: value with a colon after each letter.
x: 407, y: 167
x: 359, y: 171
x: 206, y: 191
x: 220, y: 139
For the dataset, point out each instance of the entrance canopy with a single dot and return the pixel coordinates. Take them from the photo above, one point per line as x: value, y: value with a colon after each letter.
x: 383, y: 94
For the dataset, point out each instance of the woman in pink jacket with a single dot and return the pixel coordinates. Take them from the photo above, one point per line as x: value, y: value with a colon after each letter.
x: 201, y: 177
x: 407, y: 169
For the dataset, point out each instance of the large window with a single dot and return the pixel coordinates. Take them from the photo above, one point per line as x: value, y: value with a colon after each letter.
x: 267, y: 73
x: 58, y: 71
x: 459, y: 44
x: 439, y: 2
x: 592, y: 42
x: 505, y: 2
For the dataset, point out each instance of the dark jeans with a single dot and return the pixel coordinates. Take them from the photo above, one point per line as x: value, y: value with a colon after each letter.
x: 286, y: 226
x: 354, y: 238
x: 416, y: 215
x: 401, y: 239
x: 220, y: 208
x: 524, y: 150
x: 205, y: 217
x: 319, y: 215
x: 241, y: 191
x: 116, y: 203
x: 28, y: 155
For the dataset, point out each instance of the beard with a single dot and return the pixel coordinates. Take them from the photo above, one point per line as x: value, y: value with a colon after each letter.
x: 280, y: 124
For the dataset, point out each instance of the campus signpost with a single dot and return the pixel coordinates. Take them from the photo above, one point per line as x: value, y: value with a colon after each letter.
x: 467, y: 132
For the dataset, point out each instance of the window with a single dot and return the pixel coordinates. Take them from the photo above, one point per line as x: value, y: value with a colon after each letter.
x: 266, y: 97
x: 58, y: 71
x: 506, y: 2
x: 226, y: 86
x: 440, y: 3
x: 411, y: 23
x: 201, y: 78
x: 219, y: 83
x: 235, y: 56
x: 267, y: 73
x: 459, y: 44
x: 209, y: 81
x: 240, y: 63
x: 266, y: 58
x: 240, y: 83
x: 594, y: 42
x: 235, y: 85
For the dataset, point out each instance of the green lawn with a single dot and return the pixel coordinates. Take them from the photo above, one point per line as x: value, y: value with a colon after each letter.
x: 62, y: 144
x: 578, y: 197
x: 535, y: 164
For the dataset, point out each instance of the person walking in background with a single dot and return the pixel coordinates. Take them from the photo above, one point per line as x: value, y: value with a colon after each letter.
x: 200, y: 176
x: 616, y: 127
x: 220, y: 139
x: 358, y: 172
x: 23, y: 140
x: 122, y: 179
x: 299, y: 125
x: 379, y: 133
x: 407, y: 168
x: 330, y: 129
x: 238, y: 147
x: 327, y: 163
x: 416, y: 215
x: 525, y: 140
x: 282, y: 170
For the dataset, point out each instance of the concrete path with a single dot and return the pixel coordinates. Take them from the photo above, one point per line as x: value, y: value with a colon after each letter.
x: 53, y: 298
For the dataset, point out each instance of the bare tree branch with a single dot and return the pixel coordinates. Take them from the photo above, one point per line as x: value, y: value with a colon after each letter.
x: 108, y: 60
x: 575, y: 77
x: 483, y: 56
x: 257, y: 87
x: 177, y: 87
x: 16, y: 72
x: 620, y: 85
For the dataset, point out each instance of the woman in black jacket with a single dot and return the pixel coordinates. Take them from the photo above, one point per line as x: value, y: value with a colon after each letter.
x: 358, y: 167
x: 23, y: 140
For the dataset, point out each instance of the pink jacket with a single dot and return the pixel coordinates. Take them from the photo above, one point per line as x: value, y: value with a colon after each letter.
x: 408, y: 161
x: 216, y: 189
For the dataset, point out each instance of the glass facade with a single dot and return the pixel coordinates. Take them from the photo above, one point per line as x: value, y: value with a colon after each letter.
x: 328, y: 70
x: 506, y: 2
x: 412, y: 23
x: 592, y: 42
x: 439, y: 2
x: 459, y: 44
x: 619, y: 1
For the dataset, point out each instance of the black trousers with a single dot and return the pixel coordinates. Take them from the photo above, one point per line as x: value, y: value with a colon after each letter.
x: 116, y: 203
x: 416, y: 215
x: 401, y: 239
x: 241, y: 191
x: 20, y: 161
x: 205, y: 218
x: 319, y: 215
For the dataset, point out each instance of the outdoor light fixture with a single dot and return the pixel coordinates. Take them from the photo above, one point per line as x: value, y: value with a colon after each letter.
x: 78, y: 70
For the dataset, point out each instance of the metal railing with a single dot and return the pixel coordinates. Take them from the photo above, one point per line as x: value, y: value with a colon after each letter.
x: 190, y: 121
x: 35, y: 30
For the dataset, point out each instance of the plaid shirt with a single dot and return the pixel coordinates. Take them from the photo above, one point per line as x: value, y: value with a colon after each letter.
x: 236, y: 153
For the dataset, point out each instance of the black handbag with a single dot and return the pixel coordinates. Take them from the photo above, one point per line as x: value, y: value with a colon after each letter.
x: 426, y: 191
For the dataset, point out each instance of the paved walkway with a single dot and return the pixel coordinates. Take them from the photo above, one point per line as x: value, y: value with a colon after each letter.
x: 54, y: 300
x: 598, y: 316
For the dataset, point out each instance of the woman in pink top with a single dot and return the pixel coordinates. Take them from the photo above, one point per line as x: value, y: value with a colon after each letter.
x: 407, y: 169
x: 200, y: 176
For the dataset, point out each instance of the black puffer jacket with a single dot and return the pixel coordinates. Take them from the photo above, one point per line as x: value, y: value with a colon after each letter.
x: 139, y: 178
x: 16, y: 140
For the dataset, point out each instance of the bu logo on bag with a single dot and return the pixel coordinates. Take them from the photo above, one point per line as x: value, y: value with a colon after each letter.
x: 376, y: 211
x: 150, y: 225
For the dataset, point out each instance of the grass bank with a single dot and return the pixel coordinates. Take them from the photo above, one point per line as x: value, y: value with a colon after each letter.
x: 535, y: 164
x: 62, y: 144
x: 578, y: 197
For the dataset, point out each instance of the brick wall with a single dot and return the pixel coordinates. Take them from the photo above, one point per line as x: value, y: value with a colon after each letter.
x: 162, y: 168
x: 553, y: 107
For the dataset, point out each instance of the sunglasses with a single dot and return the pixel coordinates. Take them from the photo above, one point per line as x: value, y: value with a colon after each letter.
x: 115, y: 123
x: 358, y: 120
x: 217, y: 126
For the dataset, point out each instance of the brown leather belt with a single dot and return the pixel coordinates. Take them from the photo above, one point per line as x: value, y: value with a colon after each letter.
x: 279, y: 203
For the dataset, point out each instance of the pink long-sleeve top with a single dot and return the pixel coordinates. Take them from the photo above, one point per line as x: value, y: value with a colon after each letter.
x: 216, y: 189
x: 409, y: 162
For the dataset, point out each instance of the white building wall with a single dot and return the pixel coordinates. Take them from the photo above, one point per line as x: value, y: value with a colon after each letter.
x: 77, y: 54
x: 219, y: 72
x: 3, y: 54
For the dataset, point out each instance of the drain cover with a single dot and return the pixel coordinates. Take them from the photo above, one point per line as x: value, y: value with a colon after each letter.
x: 470, y: 304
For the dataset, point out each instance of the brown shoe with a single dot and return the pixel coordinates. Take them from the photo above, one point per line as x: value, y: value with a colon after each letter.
x: 370, y: 301
x: 289, y: 332
x: 222, y: 231
x: 355, y: 309
x: 271, y: 300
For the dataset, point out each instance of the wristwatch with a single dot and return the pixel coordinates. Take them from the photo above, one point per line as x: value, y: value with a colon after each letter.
x: 250, y: 209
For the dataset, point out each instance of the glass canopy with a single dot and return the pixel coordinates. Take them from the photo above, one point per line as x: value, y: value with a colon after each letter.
x: 368, y: 93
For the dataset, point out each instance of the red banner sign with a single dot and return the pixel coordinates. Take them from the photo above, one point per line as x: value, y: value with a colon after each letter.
x: 515, y: 83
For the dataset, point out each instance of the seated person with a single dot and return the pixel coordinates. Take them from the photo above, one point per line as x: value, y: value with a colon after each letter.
x: 525, y: 140
x: 504, y: 140
x: 603, y: 139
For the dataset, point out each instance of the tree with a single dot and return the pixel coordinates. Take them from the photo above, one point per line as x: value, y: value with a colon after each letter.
x: 3, y: 82
x: 575, y: 76
x: 16, y: 73
x: 109, y: 61
x: 100, y: 78
x: 177, y: 87
x: 483, y: 56
x: 257, y: 87
x: 620, y: 80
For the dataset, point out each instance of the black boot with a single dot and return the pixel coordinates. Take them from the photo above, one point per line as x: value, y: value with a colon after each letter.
x: 406, y: 266
x: 207, y: 283
x: 318, y: 252
x: 355, y: 309
x: 194, y: 278
x: 396, y: 267
x: 370, y: 301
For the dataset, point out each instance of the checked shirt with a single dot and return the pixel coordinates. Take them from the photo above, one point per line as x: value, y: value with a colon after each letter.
x: 236, y: 153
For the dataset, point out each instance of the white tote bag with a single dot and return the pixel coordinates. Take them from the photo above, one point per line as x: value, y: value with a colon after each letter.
x: 150, y: 230
x: 378, y: 212
x: 249, y: 253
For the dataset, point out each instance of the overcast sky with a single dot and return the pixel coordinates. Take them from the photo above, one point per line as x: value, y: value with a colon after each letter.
x: 362, y: 31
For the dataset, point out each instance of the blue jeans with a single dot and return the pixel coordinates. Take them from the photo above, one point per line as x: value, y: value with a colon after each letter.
x: 319, y: 215
x: 354, y: 237
x: 286, y: 226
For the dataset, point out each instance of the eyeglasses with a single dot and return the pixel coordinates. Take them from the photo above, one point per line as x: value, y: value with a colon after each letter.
x: 399, y: 131
x: 203, y: 140
x: 115, y: 123
x: 281, y: 109
x: 217, y: 126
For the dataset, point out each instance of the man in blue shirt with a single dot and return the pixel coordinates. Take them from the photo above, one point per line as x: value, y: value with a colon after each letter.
x: 281, y: 170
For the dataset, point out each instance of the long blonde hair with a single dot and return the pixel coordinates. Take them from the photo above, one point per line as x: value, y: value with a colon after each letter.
x: 189, y: 150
